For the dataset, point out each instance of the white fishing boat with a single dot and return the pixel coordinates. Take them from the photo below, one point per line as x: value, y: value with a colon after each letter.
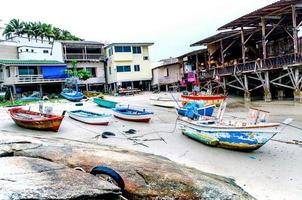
x: 165, y: 102
x: 90, y: 117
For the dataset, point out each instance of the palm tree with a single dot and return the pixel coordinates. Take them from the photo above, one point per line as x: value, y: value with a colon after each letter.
x: 57, y: 33
x: 36, y: 30
x: 28, y: 29
x: 13, y: 27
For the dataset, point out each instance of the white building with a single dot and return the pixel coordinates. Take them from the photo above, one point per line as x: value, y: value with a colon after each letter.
x: 31, y: 65
x: 128, y: 65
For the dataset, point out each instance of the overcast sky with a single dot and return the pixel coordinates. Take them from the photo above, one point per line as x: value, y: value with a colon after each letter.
x: 171, y: 24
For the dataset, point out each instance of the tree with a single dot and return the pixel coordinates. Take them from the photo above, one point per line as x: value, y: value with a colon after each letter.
x: 13, y: 27
x: 80, y: 74
x: 36, y: 30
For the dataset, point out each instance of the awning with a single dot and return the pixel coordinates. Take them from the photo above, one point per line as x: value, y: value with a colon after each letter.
x: 54, y: 71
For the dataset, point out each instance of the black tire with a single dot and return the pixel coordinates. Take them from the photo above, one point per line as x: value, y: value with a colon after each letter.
x: 99, y: 170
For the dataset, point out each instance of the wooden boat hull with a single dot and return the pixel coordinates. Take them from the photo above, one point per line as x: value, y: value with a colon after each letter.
x: 73, y: 96
x: 132, y: 117
x: 235, y: 138
x: 166, y: 103
x: 205, y: 111
x: 105, y: 103
x: 49, y: 124
x: 104, y: 120
x: 209, y: 99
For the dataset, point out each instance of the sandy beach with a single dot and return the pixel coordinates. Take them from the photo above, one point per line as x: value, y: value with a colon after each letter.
x: 271, y: 172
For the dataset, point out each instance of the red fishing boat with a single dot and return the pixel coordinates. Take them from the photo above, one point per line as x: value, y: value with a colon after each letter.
x: 35, y: 120
x: 209, y: 99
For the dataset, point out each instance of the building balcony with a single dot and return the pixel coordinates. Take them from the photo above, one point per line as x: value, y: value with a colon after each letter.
x: 84, y: 57
x: 24, y: 79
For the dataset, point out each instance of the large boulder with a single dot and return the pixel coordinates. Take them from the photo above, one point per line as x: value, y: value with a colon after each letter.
x: 34, y: 178
x: 146, y: 176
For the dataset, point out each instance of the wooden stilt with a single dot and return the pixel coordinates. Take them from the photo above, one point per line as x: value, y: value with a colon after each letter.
x: 242, y: 45
x: 267, y: 91
x: 247, y: 96
x: 295, y: 32
x: 297, y: 91
x: 221, y: 52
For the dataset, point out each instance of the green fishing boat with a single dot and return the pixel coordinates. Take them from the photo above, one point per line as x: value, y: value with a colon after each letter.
x: 104, y: 103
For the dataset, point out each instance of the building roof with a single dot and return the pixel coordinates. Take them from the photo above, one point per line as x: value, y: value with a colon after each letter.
x: 72, y: 42
x: 30, y: 62
x: 193, y: 52
x: 270, y: 11
x: 221, y: 36
x: 130, y: 43
x: 166, y: 65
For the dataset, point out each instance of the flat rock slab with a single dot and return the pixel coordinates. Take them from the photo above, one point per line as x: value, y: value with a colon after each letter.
x: 146, y: 176
x: 34, y: 178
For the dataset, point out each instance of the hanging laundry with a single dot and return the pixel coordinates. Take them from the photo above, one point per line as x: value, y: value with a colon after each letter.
x: 182, y: 83
x: 191, y: 77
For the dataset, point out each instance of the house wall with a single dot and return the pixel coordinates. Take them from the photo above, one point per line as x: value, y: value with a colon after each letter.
x: 174, y: 75
x: 8, y: 52
x: 39, y: 51
x: 131, y: 59
x: 99, y: 71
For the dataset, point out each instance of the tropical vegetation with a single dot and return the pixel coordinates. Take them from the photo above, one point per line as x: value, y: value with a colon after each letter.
x: 80, y: 74
x: 36, y: 30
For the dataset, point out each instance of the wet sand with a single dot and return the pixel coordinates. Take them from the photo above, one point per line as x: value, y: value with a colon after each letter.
x: 271, y: 172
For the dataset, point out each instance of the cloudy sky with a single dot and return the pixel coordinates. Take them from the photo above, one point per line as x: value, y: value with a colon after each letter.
x: 171, y: 24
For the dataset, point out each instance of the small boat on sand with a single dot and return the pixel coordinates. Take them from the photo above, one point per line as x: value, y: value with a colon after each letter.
x: 35, y: 120
x: 247, y: 135
x: 90, y: 117
x: 164, y: 102
x: 72, y: 95
x: 105, y: 103
x: 132, y: 114
x: 209, y: 99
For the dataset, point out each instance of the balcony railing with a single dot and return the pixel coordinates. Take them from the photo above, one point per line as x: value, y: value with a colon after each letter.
x: 36, y: 79
x: 259, y: 64
x: 81, y: 56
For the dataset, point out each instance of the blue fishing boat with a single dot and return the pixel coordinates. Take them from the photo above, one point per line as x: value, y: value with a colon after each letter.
x: 72, y: 95
x: 128, y: 114
x: 230, y: 135
x: 196, y: 112
x: 90, y: 117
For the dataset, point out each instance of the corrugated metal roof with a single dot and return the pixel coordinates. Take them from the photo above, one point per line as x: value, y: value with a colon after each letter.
x: 252, y: 19
x: 31, y: 62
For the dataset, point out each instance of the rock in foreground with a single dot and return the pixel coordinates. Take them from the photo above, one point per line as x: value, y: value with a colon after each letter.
x: 146, y: 176
x: 33, y: 178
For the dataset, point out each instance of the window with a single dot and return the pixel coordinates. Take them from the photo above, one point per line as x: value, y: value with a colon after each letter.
x: 121, y: 68
x: 23, y: 70
x: 167, y: 72
x: 122, y: 49
x: 45, y: 51
x: 136, y: 68
x: 137, y: 50
x: 91, y: 70
x: 109, y: 70
x: 26, y: 50
x: 146, y: 58
x: 32, y: 50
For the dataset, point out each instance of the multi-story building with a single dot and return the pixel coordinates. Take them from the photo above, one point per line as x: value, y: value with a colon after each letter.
x: 128, y: 65
x: 90, y: 57
x: 31, y: 65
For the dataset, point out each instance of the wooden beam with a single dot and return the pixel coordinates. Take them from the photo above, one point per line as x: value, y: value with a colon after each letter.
x: 242, y: 45
x: 295, y: 32
x: 263, y: 37
x: 274, y: 27
x: 221, y: 52
x: 229, y: 46
x: 287, y: 32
